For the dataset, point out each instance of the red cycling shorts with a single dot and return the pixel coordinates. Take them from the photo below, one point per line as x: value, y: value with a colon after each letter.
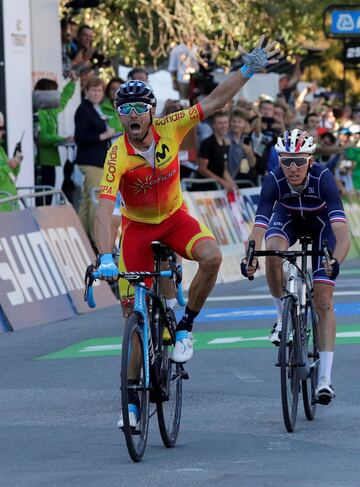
x: 181, y: 232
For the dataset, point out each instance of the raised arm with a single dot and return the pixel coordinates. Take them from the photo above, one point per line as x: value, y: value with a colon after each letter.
x: 254, y: 62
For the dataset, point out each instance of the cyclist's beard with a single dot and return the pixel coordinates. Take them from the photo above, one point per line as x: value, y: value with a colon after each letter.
x: 151, y: 121
x: 138, y: 137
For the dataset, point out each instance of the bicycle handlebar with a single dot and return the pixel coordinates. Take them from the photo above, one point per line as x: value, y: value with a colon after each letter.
x: 132, y: 277
x: 286, y: 254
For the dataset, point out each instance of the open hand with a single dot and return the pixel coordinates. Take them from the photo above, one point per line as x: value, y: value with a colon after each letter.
x: 259, y: 58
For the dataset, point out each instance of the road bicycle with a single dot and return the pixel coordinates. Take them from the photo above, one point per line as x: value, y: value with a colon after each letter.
x: 148, y: 375
x: 298, y: 356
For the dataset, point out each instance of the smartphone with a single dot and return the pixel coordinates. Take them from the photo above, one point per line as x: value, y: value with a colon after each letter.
x: 246, y: 139
x: 268, y: 120
x: 18, y: 147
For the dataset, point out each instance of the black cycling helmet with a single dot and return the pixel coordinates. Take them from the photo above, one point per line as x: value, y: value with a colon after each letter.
x: 134, y: 90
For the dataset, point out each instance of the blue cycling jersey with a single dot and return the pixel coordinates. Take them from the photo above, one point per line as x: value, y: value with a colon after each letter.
x: 319, y: 198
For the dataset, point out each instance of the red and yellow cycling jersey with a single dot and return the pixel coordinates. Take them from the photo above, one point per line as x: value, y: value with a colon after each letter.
x: 150, y: 194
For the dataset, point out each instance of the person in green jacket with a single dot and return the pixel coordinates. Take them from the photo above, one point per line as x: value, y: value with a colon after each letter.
x: 48, y: 139
x: 107, y: 105
x: 9, y: 169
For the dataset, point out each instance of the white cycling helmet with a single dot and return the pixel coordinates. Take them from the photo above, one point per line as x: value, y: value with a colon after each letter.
x: 295, y: 141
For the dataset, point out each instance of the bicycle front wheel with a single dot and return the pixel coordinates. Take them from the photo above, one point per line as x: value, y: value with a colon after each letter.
x: 289, y: 364
x: 310, y: 348
x: 169, y: 409
x: 133, y: 388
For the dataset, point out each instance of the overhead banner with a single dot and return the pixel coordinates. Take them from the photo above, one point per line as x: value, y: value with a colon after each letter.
x: 43, y: 256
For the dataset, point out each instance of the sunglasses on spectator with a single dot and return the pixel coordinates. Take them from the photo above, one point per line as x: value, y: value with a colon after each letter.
x: 2, y: 127
x: 298, y: 161
x: 140, y: 108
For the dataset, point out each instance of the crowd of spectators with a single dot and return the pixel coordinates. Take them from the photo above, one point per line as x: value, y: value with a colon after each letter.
x: 235, y: 148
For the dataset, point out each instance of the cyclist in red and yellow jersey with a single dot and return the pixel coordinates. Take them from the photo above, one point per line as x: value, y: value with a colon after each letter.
x: 143, y: 165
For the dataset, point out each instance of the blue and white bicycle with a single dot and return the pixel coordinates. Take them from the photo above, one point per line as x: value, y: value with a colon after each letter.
x: 148, y: 375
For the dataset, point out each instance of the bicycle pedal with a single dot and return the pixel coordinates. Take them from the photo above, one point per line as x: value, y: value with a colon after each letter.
x: 277, y: 364
x: 166, y: 336
x: 324, y: 400
x: 185, y: 375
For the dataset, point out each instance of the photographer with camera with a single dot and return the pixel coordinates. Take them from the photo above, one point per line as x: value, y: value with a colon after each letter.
x: 271, y: 127
x: 242, y: 160
x: 9, y: 170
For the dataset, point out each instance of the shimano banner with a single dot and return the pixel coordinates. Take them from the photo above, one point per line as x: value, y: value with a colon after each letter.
x: 44, y: 253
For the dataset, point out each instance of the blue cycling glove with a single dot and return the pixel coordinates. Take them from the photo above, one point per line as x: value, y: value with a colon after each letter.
x: 254, y: 62
x: 107, y: 269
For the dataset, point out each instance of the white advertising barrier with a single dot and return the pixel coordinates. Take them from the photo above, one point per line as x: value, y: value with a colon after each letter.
x: 230, y: 223
x: 44, y: 253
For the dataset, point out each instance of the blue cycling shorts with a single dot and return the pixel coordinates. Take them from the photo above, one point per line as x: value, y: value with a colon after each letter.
x: 291, y: 227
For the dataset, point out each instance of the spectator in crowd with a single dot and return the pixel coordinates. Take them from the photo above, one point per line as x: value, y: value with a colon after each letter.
x: 328, y: 152
x: 9, y: 170
x: 183, y: 61
x: 346, y: 117
x: 81, y: 48
x: 288, y: 83
x: 213, y: 155
x: 66, y: 41
x: 242, y: 160
x: 92, y: 136
x: 85, y: 73
x: 107, y: 105
x: 138, y: 73
x: 312, y: 124
x: 48, y: 135
x: 271, y: 128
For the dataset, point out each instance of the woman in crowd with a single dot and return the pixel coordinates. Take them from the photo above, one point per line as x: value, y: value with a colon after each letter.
x: 107, y: 105
x: 93, y: 138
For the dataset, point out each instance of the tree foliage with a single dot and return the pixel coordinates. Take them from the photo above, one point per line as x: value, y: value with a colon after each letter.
x: 141, y: 32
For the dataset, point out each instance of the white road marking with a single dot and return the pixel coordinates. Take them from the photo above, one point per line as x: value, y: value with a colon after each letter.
x: 253, y: 297
x: 222, y: 341
x: 215, y: 341
x: 348, y: 334
x: 229, y: 314
x: 101, y: 348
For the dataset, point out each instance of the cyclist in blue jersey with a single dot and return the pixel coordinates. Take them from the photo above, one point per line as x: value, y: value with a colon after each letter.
x: 298, y: 198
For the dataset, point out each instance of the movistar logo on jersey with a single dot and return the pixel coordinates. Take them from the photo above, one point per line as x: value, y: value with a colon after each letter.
x: 150, y: 182
x: 161, y: 154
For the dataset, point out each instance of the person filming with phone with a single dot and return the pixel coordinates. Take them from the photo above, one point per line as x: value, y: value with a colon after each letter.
x: 9, y: 170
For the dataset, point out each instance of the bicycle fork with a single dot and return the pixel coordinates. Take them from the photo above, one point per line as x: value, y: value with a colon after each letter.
x: 148, y: 347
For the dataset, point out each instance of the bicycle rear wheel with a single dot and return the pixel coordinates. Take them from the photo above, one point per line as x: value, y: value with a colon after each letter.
x: 169, y: 410
x: 310, y: 347
x: 288, y: 359
x: 133, y: 387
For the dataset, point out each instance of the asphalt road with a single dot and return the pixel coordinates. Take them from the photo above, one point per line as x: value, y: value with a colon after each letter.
x: 58, y: 414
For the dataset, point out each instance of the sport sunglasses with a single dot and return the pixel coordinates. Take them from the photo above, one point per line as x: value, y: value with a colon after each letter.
x: 298, y: 161
x: 140, y: 108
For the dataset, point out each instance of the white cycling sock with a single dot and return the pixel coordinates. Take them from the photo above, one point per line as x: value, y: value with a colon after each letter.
x: 326, y: 361
x: 278, y: 303
x: 171, y: 303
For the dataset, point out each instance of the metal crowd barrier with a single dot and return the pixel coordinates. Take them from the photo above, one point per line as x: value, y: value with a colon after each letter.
x: 28, y: 199
x: 193, y: 184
